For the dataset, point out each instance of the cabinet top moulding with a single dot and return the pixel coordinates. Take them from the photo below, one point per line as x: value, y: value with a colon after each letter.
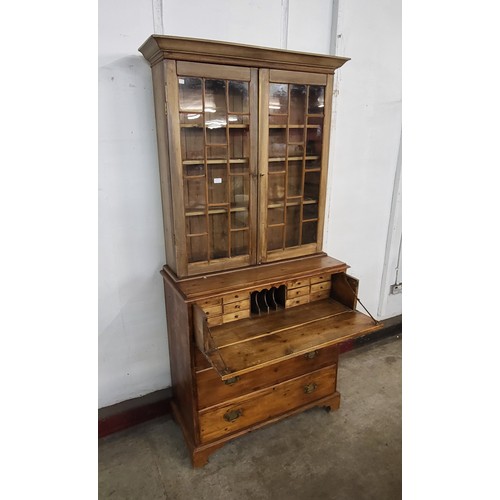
x: 159, y: 47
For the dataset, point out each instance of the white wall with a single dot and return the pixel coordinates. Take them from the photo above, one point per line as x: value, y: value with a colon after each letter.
x: 133, y: 350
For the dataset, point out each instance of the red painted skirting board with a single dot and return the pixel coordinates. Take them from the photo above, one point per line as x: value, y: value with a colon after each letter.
x: 157, y: 404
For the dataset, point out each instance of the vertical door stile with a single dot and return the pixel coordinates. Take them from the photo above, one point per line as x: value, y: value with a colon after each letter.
x: 176, y: 168
x: 263, y: 158
x: 325, y: 151
x: 255, y: 198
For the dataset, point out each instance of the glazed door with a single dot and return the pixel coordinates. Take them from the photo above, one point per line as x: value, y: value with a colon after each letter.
x: 216, y: 163
x: 294, y: 124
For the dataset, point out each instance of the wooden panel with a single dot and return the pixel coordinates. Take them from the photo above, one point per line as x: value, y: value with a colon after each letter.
x: 213, y: 71
x: 236, y: 306
x: 254, y: 158
x: 297, y: 301
x: 345, y: 289
x: 318, y: 287
x: 297, y: 292
x: 227, y: 318
x: 266, y: 404
x: 235, y: 297
x: 257, y: 277
x: 291, y: 253
x: 275, y: 344
x: 320, y: 278
x: 298, y: 283
x: 280, y: 76
x: 212, y: 390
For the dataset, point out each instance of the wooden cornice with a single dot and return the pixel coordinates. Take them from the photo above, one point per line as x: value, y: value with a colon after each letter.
x: 159, y: 47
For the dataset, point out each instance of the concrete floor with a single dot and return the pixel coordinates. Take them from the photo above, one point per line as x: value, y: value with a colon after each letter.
x: 353, y: 453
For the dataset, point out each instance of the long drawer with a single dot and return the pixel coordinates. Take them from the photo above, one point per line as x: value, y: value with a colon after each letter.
x: 266, y: 404
x: 212, y: 390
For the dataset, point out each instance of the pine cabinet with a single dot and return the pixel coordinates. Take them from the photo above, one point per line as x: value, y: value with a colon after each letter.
x: 255, y: 309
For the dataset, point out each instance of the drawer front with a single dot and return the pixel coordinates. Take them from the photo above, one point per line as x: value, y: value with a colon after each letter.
x: 298, y: 283
x: 320, y: 278
x: 212, y: 390
x: 214, y: 320
x: 209, y: 302
x: 266, y: 404
x: 212, y: 310
x: 318, y: 287
x: 237, y: 306
x: 323, y: 294
x: 297, y: 301
x: 235, y: 297
x: 297, y: 292
x: 235, y: 316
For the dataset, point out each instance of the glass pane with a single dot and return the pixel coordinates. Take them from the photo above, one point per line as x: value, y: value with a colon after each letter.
x: 276, y: 189
x: 277, y: 166
x: 277, y: 142
x: 217, y: 184
x: 238, y: 97
x: 239, y: 167
x: 310, y: 164
x: 309, y: 230
x: 194, y: 170
x: 238, y: 143
x: 275, y: 238
x: 196, y: 224
x: 295, y: 150
x: 240, y: 190
x: 192, y: 143
x: 294, y: 178
x: 239, y: 219
x: 296, y: 135
x: 193, y: 119
x: 275, y: 215
x: 316, y: 99
x: 216, y: 135
x: 238, y: 119
x: 197, y: 248
x: 278, y: 98
x: 190, y: 94
x: 298, y: 95
x: 194, y: 194
x: 292, y: 226
x: 217, y: 152
x: 314, y: 140
x: 218, y: 234
x: 310, y: 211
x: 239, y: 243
x: 280, y: 120
x: 215, y: 103
x: 311, y: 186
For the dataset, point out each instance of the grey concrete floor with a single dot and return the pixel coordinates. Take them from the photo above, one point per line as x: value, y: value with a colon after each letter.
x: 353, y: 453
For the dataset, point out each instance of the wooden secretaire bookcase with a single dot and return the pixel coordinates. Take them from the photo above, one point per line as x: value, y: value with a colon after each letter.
x: 255, y: 309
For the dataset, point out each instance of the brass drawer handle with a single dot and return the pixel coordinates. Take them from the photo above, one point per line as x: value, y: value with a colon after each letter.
x: 311, y: 355
x: 232, y: 415
x: 232, y: 380
x: 310, y: 388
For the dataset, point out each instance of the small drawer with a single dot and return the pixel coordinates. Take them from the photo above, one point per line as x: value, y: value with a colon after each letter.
x: 214, y: 320
x: 320, y: 278
x: 237, y: 306
x: 209, y: 302
x: 234, y: 297
x: 298, y: 283
x: 323, y: 294
x: 319, y: 287
x: 297, y: 301
x: 297, y: 292
x: 236, y: 315
x: 266, y: 404
x: 212, y: 311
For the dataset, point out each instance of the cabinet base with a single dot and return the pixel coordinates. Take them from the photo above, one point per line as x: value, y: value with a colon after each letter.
x: 199, y: 454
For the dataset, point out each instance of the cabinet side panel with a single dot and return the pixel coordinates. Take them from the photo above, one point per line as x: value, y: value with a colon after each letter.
x: 181, y: 356
x: 163, y: 159
x: 324, y: 159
